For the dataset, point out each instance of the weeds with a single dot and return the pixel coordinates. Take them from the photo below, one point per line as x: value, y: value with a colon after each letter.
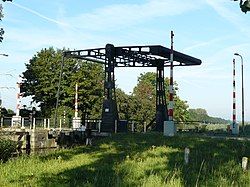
x: 134, y: 160
x: 7, y: 148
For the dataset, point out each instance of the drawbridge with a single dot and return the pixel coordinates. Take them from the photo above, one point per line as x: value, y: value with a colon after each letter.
x: 132, y: 56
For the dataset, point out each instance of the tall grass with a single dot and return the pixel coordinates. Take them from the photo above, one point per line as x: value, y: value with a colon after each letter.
x: 134, y: 160
x: 7, y: 148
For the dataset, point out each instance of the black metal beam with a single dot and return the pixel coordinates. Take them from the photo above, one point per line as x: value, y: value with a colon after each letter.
x: 135, y: 56
x: 183, y: 59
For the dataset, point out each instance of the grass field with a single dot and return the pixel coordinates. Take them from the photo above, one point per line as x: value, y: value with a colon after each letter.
x: 134, y: 160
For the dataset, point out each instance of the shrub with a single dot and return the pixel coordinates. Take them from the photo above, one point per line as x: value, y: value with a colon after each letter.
x: 7, y: 148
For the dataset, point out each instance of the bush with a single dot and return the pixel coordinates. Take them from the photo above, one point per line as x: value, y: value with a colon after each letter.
x: 7, y: 148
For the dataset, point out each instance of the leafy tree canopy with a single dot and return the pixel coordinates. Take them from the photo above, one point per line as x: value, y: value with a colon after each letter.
x: 40, y: 80
x: 200, y: 114
x: 244, y: 5
x: 144, y: 96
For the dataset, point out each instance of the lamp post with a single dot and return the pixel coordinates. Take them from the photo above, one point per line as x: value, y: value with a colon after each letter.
x: 242, y: 91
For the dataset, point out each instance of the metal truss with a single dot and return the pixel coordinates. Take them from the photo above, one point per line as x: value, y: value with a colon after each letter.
x: 135, y: 56
x: 132, y: 56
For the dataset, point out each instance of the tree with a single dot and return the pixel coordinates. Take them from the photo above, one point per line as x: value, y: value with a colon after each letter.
x: 144, y: 96
x: 1, y: 17
x: 244, y: 6
x: 89, y: 76
x: 201, y: 114
x: 123, y: 104
x: 7, y: 112
x: 181, y: 113
x: 40, y: 80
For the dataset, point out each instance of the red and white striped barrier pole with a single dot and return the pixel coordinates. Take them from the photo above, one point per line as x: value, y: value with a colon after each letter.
x: 18, y: 103
x: 76, y: 119
x: 169, y: 128
x: 76, y: 101
x: 171, y: 83
x: 234, y: 96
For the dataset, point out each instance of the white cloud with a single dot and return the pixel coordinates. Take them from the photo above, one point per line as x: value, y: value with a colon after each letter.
x: 207, y: 43
x: 117, y: 16
x: 39, y: 14
x: 74, y: 32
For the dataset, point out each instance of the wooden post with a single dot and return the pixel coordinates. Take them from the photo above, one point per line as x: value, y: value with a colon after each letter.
x: 19, y: 143
x: 30, y: 125
x: 27, y: 144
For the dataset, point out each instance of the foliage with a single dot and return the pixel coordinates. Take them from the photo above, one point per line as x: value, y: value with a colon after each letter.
x: 200, y: 114
x: 7, y: 112
x: 144, y: 95
x: 65, y: 114
x: 244, y: 6
x: 7, y: 148
x: 1, y: 16
x: 123, y: 104
x: 134, y: 160
x: 181, y: 113
x: 42, y: 76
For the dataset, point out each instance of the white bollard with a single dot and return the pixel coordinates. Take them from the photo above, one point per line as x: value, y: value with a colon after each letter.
x: 133, y: 126
x: 44, y: 123
x: 186, y: 155
x: 60, y: 123
x: 244, y: 163
x: 34, y: 123
x: 48, y: 123
x: 22, y: 126
x: 99, y: 126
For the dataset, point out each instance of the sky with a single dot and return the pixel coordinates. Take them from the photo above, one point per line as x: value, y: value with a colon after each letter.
x: 211, y: 30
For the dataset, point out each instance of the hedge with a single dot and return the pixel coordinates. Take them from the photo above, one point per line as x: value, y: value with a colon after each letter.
x: 7, y: 148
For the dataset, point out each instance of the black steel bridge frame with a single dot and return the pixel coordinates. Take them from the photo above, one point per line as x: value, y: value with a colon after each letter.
x: 132, y: 56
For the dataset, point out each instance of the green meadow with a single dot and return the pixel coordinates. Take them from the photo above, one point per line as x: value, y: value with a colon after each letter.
x: 134, y: 160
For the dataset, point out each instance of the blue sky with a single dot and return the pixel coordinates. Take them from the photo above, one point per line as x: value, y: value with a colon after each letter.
x: 212, y: 30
